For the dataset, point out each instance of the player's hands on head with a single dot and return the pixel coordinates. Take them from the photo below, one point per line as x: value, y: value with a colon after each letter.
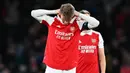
x: 57, y: 11
x: 76, y: 13
x: 85, y: 12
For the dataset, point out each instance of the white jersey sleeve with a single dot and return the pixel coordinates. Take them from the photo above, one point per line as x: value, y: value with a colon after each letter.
x: 92, y: 22
x: 42, y: 15
x: 101, y: 41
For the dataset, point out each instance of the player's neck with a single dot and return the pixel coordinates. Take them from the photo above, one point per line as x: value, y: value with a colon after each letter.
x: 65, y: 22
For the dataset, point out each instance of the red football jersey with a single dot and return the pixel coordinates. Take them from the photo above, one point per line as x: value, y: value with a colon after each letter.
x: 88, y: 52
x: 61, y: 48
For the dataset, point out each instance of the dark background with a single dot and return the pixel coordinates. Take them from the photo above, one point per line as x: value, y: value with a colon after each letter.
x: 23, y: 39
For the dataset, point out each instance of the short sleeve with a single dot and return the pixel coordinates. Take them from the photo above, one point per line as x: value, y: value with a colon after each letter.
x: 47, y: 20
x: 101, y: 41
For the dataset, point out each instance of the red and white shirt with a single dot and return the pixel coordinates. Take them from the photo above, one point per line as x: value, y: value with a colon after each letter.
x: 61, y: 48
x: 61, y: 45
x: 89, y: 43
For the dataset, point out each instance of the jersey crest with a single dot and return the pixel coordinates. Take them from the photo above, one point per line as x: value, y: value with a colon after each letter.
x: 93, y: 40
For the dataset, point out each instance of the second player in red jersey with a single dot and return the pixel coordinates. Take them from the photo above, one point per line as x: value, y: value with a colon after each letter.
x: 91, y: 51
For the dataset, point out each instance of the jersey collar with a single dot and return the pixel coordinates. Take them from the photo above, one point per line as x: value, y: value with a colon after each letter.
x: 89, y: 32
x: 72, y: 20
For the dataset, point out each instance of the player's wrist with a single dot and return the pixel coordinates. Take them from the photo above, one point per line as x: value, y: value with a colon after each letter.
x: 53, y: 11
x: 76, y: 13
x: 57, y: 11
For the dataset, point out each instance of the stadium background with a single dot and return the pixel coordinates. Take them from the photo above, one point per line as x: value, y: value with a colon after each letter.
x: 22, y: 38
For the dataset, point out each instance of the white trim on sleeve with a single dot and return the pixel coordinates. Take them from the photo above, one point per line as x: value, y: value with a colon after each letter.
x: 101, y: 41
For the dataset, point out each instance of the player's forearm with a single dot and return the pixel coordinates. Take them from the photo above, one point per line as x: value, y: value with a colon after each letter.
x: 91, y: 20
x: 41, y: 12
x: 103, y: 64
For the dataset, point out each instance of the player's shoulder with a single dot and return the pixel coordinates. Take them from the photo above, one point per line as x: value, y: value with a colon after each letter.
x: 96, y: 32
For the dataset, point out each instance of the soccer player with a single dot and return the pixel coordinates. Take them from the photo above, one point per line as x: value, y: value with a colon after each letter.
x: 91, y: 51
x: 63, y: 34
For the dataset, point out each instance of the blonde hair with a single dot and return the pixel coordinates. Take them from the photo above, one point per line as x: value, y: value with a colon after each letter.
x: 67, y: 10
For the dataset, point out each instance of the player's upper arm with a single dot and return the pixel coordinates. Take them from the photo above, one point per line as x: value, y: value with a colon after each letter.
x: 88, y: 25
x: 47, y: 19
x: 80, y: 23
x: 42, y: 18
x: 101, y: 48
x: 92, y: 22
x: 101, y: 42
x: 101, y: 54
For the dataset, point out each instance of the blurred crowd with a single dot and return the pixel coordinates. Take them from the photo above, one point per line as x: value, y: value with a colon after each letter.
x: 23, y: 39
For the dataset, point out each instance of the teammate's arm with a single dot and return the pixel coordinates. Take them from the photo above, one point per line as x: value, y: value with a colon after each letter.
x: 102, y: 59
x: 92, y: 22
x: 42, y: 14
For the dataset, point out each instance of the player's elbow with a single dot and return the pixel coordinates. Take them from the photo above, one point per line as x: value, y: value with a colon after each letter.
x: 102, y: 57
x: 33, y: 13
x: 96, y: 23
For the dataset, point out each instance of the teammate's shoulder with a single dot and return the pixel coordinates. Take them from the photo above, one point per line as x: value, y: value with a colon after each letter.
x: 96, y: 32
